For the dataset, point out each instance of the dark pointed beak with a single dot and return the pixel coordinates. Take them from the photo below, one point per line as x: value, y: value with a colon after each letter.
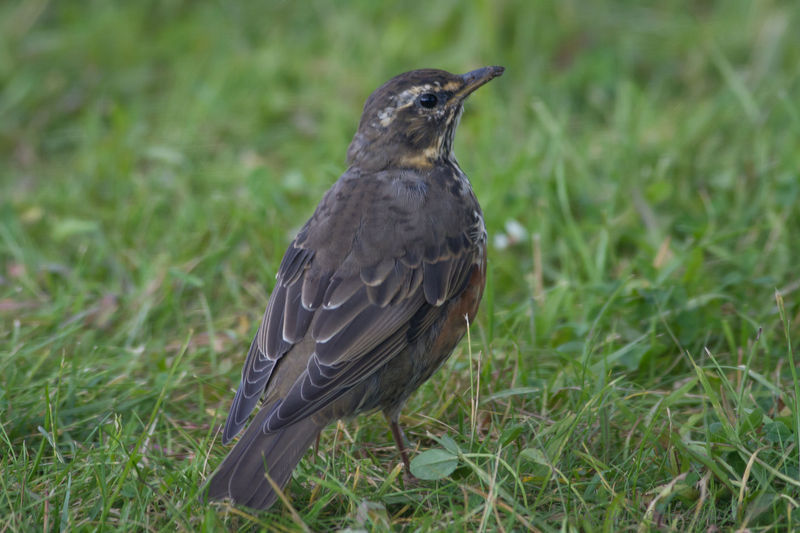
x: 477, y: 78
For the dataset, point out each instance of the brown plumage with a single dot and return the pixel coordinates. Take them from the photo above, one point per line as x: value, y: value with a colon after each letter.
x: 372, y: 295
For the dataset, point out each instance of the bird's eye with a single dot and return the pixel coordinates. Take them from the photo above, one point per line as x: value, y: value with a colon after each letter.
x: 427, y: 100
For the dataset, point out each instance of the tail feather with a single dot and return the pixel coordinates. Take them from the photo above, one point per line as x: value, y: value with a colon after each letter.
x: 241, y: 476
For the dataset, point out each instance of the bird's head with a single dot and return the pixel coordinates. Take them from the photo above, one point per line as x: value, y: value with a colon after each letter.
x: 410, y: 120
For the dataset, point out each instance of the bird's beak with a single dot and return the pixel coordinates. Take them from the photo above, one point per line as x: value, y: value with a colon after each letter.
x: 476, y: 78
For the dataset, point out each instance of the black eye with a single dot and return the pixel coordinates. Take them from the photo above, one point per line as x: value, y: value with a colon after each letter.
x: 428, y: 100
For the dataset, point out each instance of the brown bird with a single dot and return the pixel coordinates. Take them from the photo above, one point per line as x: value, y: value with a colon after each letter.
x: 373, y: 294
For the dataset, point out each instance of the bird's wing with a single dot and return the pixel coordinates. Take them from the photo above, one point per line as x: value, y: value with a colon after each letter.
x: 363, y: 280
x: 270, y: 342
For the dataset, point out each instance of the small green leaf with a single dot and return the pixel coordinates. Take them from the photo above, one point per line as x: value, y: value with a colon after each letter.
x: 517, y: 391
x: 776, y: 432
x: 751, y: 420
x: 511, y: 434
x: 165, y: 154
x: 66, y: 228
x: 448, y: 444
x: 535, y: 455
x: 434, y: 464
x: 716, y: 429
x: 188, y: 279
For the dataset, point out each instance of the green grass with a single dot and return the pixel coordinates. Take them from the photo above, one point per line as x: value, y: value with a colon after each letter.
x: 631, y: 367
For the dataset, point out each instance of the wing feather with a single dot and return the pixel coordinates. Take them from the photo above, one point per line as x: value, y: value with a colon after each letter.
x: 436, y: 280
x: 296, y: 317
x: 375, y: 274
x: 314, y: 288
x: 249, y: 392
x: 330, y: 322
x: 382, y: 294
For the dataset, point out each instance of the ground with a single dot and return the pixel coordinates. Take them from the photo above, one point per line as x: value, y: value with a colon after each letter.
x: 631, y: 367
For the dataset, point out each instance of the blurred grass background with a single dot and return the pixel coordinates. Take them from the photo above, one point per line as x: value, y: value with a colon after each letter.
x: 631, y: 367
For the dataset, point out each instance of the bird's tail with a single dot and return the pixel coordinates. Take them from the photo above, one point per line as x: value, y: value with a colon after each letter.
x: 242, y: 475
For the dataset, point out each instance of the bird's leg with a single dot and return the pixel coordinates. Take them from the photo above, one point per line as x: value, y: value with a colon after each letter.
x: 316, y: 447
x: 399, y: 440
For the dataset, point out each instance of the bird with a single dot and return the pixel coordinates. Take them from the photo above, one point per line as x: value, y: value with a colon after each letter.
x: 374, y: 293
